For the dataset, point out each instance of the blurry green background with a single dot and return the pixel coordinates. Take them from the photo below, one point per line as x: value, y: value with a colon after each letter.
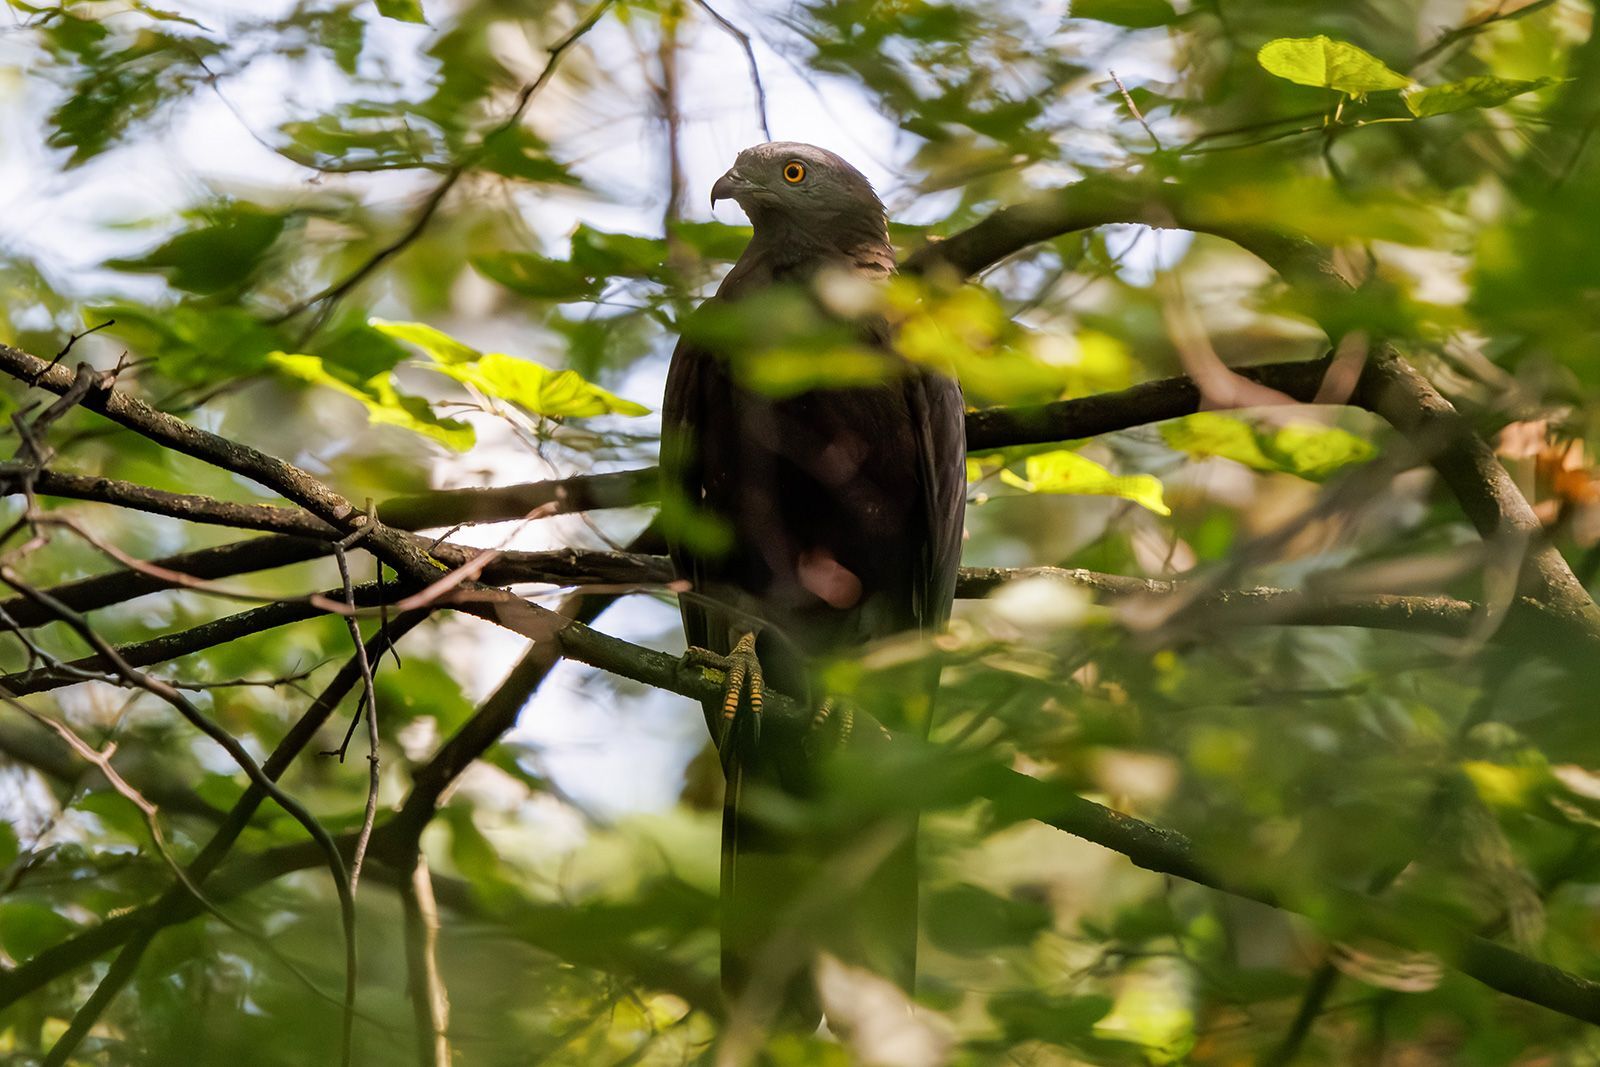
x: 203, y: 172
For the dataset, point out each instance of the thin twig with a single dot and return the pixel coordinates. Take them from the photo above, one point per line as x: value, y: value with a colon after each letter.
x: 150, y: 813
x: 750, y: 59
x: 336, y: 291
x: 1127, y: 98
x: 86, y: 1017
x: 430, y: 1001
x: 370, y: 814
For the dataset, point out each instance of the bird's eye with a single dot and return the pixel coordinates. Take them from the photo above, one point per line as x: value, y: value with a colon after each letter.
x: 794, y: 172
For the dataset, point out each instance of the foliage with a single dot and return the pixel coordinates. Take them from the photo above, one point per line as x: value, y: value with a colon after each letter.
x: 416, y: 246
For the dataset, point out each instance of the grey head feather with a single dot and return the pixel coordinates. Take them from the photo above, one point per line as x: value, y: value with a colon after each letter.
x: 806, y: 202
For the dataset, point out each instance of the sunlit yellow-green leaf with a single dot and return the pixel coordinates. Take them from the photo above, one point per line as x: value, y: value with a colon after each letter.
x: 536, y: 389
x: 1506, y: 787
x: 786, y: 371
x: 1330, y: 64
x: 1207, y: 433
x: 1153, y: 1009
x: 1307, y: 450
x: 1067, y: 472
x: 385, y: 405
x: 438, y: 344
x: 1479, y: 92
x: 980, y: 467
x: 1314, y: 452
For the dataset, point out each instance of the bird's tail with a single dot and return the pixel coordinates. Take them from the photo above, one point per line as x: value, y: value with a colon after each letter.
x: 792, y: 889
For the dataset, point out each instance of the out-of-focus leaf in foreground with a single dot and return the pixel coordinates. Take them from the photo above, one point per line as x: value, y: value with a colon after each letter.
x: 1064, y: 471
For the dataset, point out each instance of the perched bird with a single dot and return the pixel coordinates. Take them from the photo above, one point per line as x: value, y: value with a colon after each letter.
x: 840, y: 509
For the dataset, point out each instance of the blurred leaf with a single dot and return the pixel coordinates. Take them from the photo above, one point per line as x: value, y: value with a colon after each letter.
x: 1330, y: 64
x: 715, y: 241
x: 191, y: 342
x: 537, y: 389
x: 402, y: 10
x: 116, y: 812
x: 1134, y: 14
x: 114, y: 90
x: 219, y: 255
x: 385, y: 405
x: 1067, y: 472
x: 1065, y: 1021
x: 968, y: 919
x: 1307, y: 450
x: 1478, y: 92
x: 436, y: 343
x: 362, y: 135
x: 1315, y: 452
x: 538, y: 276
x: 516, y: 152
x: 788, y: 371
x: 28, y: 928
x: 626, y: 255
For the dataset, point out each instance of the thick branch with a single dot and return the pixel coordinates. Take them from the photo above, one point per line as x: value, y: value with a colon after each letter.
x: 1109, y: 199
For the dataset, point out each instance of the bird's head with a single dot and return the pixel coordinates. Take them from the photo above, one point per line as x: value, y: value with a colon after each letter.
x: 786, y: 185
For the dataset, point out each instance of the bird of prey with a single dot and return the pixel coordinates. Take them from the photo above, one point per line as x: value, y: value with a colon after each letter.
x: 841, y: 512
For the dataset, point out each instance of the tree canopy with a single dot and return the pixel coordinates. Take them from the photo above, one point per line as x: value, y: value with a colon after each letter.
x: 342, y: 718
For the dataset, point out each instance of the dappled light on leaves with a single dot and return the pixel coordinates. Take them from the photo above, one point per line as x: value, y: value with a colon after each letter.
x: 1263, y: 734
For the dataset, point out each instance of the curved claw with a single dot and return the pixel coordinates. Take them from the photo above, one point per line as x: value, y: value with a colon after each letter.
x: 744, y: 687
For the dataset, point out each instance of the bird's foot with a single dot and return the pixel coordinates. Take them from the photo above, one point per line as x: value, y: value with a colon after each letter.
x: 830, y: 727
x: 743, y: 688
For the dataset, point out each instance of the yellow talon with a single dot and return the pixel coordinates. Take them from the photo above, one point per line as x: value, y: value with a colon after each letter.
x: 742, y: 675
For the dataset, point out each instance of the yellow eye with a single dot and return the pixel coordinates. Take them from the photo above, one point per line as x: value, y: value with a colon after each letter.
x: 794, y: 172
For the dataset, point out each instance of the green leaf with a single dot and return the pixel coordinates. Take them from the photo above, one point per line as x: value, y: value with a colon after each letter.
x: 1305, y: 450
x: 1208, y: 433
x: 968, y: 919
x: 1314, y: 452
x: 713, y: 240
x: 28, y: 928
x: 537, y: 389
x: 1330, y: 64
x: 516, y: 152
x: 1479, y: 92
x: 538, y: 276
x: 436, y: 343
x: 1064, y: 471
x: 217, y: 256
x: 604, y: 254
x: 402, y: 10
x: 385, y: 405
x: 1133, y: 14
x: 192, y: 342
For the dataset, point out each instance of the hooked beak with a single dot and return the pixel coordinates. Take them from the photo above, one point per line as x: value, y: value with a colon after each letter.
x: 730, y: 186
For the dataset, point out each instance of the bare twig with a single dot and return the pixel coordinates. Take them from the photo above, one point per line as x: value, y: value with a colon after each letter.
x: 1475, y: 26
x: 100, y: 759
x: 1127, y: 98
x: 750, y: 59
x: 370, y: 694
x: 90, y: 1012
x: 336, y: 291
x: 135, y: 932
x: 430, y: 1001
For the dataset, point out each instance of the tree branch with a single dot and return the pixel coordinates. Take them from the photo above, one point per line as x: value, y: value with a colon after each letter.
x: 1018, y: 796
